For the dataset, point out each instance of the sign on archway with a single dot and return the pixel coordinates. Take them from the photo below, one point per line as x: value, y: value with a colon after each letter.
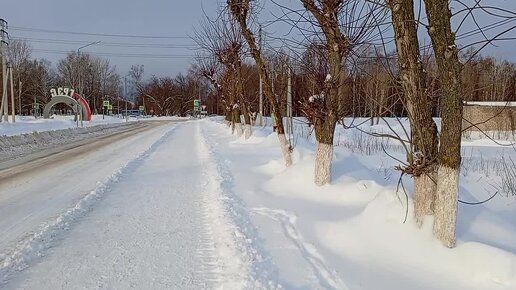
x: 72, y: 99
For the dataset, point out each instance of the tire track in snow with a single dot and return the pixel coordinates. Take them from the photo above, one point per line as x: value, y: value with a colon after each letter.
x: 240, y: 260
x: 327, y: 277
x: 36, y: 245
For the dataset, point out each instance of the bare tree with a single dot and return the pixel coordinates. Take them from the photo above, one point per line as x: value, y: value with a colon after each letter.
x: 422, y: 157
x: 344, y: 28
x: 20, y: 59
x: 222, y: 38
x: 240, y: 10
x: 209, y: 68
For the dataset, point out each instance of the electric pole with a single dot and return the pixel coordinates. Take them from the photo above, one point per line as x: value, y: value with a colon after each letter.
x: 260, y: 114
x: 3, y: 51
x: 289, y: 103
x: 125, y: 95
x: 19, y: 97
x: 290, y: 115
x: 12, y: 93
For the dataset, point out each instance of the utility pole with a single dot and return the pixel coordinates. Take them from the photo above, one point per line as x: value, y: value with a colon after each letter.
x: 12, y: 93
x: 3, y: 51
x: 3, y: 107
x: 34, y: 109
x: 260, y: 114
x: 125, y: 96
x: 19, y: 97
x: 289, y: 105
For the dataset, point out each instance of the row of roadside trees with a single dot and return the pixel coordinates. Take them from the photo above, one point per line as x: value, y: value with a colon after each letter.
x: 343, y: 67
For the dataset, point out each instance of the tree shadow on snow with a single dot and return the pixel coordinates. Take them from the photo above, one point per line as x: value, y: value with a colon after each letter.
x: 478, y: 223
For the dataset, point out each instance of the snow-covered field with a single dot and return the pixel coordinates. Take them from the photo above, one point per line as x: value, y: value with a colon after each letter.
x: 189, y: 206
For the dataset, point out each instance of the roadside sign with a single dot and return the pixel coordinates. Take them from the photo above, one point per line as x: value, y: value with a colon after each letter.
x: 197, y: 104
x: 141, y: 108
x: 110, y: 107
x: 105, y: 103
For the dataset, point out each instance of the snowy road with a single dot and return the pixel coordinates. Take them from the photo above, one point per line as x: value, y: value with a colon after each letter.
x: 34, y: 192
x: 145, y: 212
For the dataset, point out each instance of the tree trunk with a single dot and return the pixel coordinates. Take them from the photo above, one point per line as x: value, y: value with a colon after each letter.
x: 418, y: 104
x: 324, y: 134
x: 446, y: 55
x: 229, y: 117
x: 337, y: 46
x: 237, y: 121
x: 247, y: 119
x: 247, y: 131
x: 240, y: 89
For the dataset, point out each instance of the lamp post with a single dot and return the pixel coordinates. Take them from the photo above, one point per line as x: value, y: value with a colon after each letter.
x: 78, y: 62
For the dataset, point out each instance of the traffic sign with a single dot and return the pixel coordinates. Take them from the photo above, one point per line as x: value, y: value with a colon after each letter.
x: 141, y: 108
x: 110, y: 107
x: 105, y: 103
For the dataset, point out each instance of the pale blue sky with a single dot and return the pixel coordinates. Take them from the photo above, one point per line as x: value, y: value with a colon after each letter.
x: 175, y: 18
x: 169, y: 18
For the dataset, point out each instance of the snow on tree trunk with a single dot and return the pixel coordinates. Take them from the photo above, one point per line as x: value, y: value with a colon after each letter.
x: 446, y: 203
x: 285, y: 148
x: 425, y: 188
x: 247, y: 131
x: 323, y: 158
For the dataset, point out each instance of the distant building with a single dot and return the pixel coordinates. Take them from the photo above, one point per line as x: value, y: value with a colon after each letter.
x: 489, y: 116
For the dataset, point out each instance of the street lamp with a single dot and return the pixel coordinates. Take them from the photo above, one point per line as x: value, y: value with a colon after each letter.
x: 78, y: 60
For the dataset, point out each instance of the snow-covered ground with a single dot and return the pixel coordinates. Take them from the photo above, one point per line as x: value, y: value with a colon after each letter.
x: 189, y: 206
x: 350, y: 234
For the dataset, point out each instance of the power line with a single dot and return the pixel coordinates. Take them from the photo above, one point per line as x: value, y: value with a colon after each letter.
x: 136, y: 55
x: 106, y: 44
x: 28, y: 29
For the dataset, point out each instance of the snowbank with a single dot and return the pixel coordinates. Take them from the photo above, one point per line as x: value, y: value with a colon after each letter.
x: 351, y: 234
x: 19, y: 145
x: 28, y: 124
